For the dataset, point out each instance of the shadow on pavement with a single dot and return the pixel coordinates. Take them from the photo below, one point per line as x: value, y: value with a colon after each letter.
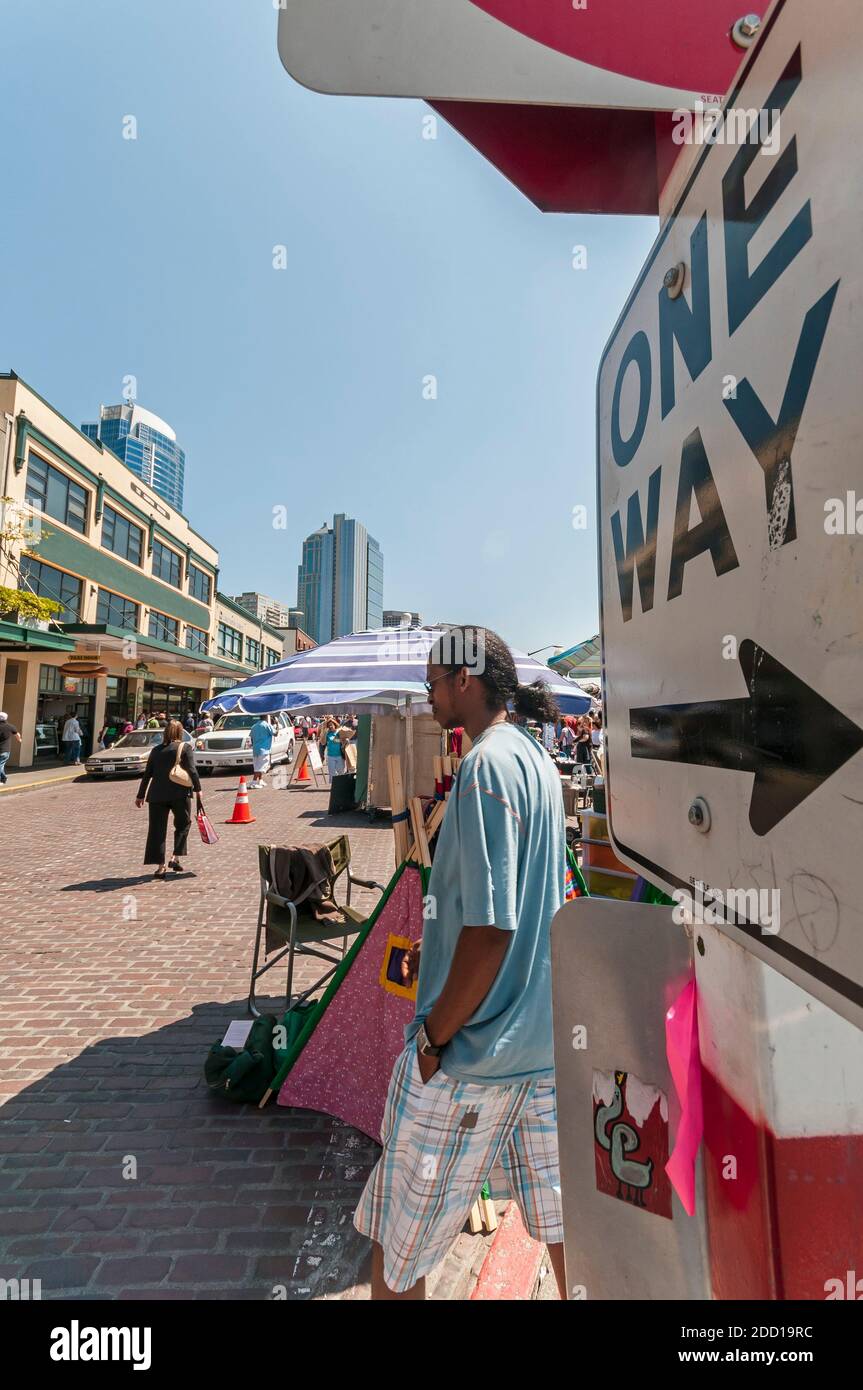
x: 124, y: 1177
x: 113, y: 885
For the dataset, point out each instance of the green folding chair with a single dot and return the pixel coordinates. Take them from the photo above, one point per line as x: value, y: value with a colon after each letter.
x: 294, y: 925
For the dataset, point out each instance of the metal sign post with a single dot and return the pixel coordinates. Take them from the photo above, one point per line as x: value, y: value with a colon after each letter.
x: 729, y: 420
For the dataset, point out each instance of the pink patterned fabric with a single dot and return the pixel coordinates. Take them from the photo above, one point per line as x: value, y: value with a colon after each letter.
x: 345, y: 1067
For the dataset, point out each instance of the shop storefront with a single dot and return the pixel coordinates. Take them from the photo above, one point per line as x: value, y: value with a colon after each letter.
x: 57, y: 699
x: 173, y: 700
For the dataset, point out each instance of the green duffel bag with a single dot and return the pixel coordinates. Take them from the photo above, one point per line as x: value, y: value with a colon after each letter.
x: 244, y: 1074
x: 291, y: 1025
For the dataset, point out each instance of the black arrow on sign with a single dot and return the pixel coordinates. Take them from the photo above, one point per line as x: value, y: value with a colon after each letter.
x: 783, y: 731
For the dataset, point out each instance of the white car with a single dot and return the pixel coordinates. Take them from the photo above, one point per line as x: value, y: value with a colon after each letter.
x: 229, y: 746
x: 128, y: 754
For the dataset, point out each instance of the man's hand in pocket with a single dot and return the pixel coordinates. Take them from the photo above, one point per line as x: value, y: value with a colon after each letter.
x: 428, y: 1066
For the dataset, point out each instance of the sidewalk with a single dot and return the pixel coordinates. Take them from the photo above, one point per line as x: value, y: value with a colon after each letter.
x: 23, y: 779
x: 122, y: 1177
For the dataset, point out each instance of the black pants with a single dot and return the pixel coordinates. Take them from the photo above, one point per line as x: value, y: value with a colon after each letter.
x: 158, y: 829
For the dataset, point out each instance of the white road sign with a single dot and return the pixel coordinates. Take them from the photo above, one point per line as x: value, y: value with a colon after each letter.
x: 731, y: 519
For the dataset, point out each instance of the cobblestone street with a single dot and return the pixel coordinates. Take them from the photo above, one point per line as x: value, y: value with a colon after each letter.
x: 114, y: 987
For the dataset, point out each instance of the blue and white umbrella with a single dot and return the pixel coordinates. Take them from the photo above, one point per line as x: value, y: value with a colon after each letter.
x: 371, y: 671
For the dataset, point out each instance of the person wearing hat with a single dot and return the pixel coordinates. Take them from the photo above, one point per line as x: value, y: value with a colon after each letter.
x: 8, y: 732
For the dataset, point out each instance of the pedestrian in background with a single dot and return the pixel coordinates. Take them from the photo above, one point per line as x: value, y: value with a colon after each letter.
x: 261, y: 734
x: 582, y: 743
x: 8, y: 732
x: 335, y: 749
x: 169, y: 779
x: 72, y: 740
x: 141, y: 721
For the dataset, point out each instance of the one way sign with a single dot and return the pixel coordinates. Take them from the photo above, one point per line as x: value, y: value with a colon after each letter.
x: 730, y: 441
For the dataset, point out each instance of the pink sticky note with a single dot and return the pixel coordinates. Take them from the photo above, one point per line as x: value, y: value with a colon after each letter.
x: 681, y: 1046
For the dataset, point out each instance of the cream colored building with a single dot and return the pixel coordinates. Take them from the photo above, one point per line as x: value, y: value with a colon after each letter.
x: 143, y: 627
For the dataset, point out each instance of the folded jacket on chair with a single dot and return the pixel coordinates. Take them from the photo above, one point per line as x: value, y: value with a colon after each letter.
x: 304, y: 877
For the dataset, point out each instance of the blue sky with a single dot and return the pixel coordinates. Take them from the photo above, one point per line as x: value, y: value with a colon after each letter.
x: 303, y: 387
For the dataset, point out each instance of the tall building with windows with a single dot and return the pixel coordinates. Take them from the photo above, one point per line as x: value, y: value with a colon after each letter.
x: 315, y: 584
x: 134, y: 620
x: 145, y: 444
x: 278, y: 614
x: 340, y: 583
x: 401, y: 617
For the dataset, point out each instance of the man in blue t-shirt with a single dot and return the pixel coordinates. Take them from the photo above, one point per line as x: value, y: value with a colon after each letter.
x: 475, y: 1084
x: 262, y: 741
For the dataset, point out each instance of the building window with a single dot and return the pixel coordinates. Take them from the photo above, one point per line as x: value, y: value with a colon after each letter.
x: 270, y: 657
x: 164, y: 628
x: 200, y: 584
x: 118, y: 611
x: 253, y: 652
x: 53, y: 682
x: 122, y: 536
x: 50, y: 680
x: 51, y: 492
x: 196, y: 640
x: 230, y: 642
x: 48, y: 582
x: 166, y: 564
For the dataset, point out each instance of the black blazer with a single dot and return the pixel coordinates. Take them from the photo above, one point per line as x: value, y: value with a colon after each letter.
x: 156, y: 773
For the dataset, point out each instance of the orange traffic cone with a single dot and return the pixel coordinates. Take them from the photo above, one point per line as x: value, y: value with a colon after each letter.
x: 303, y: 772
x: 242, y: 811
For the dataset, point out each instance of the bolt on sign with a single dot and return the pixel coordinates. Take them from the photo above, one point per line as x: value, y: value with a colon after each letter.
x: 731, y: 502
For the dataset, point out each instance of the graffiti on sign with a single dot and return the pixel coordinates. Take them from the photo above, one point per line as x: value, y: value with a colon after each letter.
x: 630, y: 1130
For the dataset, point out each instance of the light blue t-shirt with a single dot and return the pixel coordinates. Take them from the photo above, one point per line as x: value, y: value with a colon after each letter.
x: 262, y: 737
x: 500, y: 861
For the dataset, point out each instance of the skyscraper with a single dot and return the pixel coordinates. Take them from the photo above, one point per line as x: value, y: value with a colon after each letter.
x: 145, y: 444
x: 340, y: 580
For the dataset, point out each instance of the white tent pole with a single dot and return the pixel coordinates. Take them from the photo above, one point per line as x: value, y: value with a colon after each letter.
x: 409, y: 749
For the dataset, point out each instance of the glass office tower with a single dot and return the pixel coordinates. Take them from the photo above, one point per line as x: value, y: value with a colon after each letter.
x: 340, y: 582
x: 315, y: 584
x: 146, y: 445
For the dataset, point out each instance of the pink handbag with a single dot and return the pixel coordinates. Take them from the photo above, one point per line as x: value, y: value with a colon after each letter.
x: 205, y: 825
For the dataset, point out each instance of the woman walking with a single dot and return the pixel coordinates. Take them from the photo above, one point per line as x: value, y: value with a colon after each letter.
x: 171, y: 776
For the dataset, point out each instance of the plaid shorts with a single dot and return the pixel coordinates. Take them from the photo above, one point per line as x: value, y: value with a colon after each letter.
x: 441, y: 1141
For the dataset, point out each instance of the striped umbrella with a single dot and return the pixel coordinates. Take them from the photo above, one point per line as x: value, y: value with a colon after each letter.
x: 372, y: 671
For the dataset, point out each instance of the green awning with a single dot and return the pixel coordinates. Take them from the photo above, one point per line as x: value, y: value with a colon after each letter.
x: 113, y: 638
x: 14, y: 638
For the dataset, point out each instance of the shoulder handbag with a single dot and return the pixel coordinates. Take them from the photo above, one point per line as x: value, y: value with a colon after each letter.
x: 179, y: 774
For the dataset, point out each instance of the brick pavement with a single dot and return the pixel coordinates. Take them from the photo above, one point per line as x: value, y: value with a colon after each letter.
x: 121, y: 1176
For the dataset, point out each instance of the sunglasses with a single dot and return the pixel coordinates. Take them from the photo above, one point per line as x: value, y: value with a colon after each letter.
x: 428, y: 684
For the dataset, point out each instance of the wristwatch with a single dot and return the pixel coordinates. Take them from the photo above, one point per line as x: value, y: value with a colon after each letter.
x: 424, y: 1044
